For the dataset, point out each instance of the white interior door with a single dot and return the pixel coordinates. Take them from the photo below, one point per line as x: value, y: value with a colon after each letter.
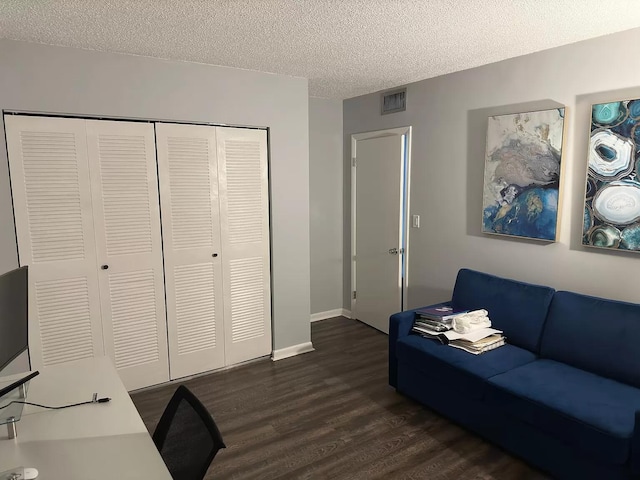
x: 54, y: 227
x: 378, y: 228
x: 124, y: 185
x: 244, y: 212
x: 188, y: 171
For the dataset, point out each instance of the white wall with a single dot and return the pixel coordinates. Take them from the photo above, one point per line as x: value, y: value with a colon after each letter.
x: 51, y: 79
x: 449, y: 119
x: 325, y: 203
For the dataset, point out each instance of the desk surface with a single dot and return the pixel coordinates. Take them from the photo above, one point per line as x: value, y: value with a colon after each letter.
x: 96, y: 441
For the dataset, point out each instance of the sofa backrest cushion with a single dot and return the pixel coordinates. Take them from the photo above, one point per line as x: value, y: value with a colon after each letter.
x: 594, y: 334
x: 517, y: 308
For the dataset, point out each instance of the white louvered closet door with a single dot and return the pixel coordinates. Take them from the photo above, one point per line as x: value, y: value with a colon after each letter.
x: 187, y: 169
x: 122, y: 164
x: 244, y: 213
x: 52, y: 205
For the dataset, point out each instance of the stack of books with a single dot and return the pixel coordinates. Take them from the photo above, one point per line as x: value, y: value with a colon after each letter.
x: 435, y: 323
x: 436, y: 319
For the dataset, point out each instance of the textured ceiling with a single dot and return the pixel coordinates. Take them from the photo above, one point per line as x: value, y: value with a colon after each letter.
x: 344, y: 47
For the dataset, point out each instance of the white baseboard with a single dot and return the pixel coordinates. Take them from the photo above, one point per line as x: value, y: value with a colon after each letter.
x: 338, y: 312
x: 292, y: 351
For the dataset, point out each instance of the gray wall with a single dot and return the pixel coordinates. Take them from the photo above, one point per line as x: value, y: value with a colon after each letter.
x: 449, y: 119
x: 50, y: 79
x: 325, y: 203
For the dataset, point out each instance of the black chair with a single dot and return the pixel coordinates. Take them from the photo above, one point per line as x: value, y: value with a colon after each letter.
x: 187, y: 437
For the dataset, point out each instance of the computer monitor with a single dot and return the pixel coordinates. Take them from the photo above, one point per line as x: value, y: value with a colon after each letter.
x: 14, y: 316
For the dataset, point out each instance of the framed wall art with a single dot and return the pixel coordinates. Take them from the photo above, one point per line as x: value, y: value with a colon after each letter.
x: 612, y: 199
x: 522, y: 174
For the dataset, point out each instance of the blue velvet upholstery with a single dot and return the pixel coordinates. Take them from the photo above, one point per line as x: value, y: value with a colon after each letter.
x: 517, y: 308
x: 574, y: 413
x: 474, y: 414
x: 635, y: 447
x: 399, y: 326
x: 594, y: 334
x: 591, y: 412
x: 456, y: 368
x: 522, y: 439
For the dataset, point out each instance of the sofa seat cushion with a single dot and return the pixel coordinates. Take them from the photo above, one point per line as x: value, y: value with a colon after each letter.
x: 592, y: 413
x: 456, y: 368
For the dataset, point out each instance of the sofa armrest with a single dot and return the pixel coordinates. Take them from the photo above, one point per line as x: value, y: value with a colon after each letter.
x: 635, y: 446
x: 400, y: 326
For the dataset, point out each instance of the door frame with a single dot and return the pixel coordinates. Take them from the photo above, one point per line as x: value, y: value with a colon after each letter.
x: 405, y: 196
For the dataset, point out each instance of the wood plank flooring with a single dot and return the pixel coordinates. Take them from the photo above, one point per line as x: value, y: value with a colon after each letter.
x: 330, y: 414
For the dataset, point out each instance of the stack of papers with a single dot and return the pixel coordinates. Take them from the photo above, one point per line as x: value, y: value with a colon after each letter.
x: 480, y: 346
x: 473, y: 336
x: 476, y: 342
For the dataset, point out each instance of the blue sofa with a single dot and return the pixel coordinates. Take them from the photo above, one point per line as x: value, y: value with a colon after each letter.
x: 563, y: 394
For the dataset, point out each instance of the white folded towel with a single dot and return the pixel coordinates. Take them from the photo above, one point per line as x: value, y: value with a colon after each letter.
x: 470, y: 321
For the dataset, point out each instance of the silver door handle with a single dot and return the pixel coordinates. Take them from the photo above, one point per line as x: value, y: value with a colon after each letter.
x: 393, y: 251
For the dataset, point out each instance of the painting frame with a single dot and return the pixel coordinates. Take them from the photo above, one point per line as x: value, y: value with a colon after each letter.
x: 523, y: 173
x: 611, y: 215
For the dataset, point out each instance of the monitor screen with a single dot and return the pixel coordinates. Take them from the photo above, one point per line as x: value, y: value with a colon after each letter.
x: 13, y: 315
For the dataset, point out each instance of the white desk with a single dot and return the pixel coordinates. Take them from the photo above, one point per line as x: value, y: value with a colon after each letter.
x: 95, y: 441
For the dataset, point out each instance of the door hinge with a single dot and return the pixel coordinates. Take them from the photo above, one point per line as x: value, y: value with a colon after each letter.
x: 353, y: 161
x: 354, y: 294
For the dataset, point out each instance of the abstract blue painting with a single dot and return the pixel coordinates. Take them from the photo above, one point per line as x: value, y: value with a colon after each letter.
x: 522, y: 174
x: 612, y: 200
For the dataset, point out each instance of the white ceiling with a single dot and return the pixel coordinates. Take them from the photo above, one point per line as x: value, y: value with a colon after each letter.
x: 344, y: 47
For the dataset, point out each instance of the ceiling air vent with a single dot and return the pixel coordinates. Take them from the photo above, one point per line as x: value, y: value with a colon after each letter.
x: 394, y: 101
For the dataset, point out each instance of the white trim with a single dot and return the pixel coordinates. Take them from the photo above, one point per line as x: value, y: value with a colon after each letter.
x: 352, y: 258
x: 346, y: 313
x: 354, y: 143
x: 407, y: 218
x: 338, y: 312
x: 292, y: 351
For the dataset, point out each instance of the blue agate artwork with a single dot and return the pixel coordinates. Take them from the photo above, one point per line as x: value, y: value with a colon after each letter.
x: 522, y: 174
x: 612, y: 200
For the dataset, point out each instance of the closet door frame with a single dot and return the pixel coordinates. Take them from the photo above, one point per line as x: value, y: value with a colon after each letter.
x: 264, y: 344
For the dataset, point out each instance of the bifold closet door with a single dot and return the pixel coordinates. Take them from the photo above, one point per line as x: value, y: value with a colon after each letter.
x: 187, y: 167
x: 52, y: 204
x: 87, y: 215
x: 124, y: 185
x: 244, y: 214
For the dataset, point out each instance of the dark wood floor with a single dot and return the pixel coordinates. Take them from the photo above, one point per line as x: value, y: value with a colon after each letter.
x: 330, y: 414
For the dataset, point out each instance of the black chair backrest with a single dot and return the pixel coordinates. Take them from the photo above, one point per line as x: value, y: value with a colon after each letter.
x: 187, y: 437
